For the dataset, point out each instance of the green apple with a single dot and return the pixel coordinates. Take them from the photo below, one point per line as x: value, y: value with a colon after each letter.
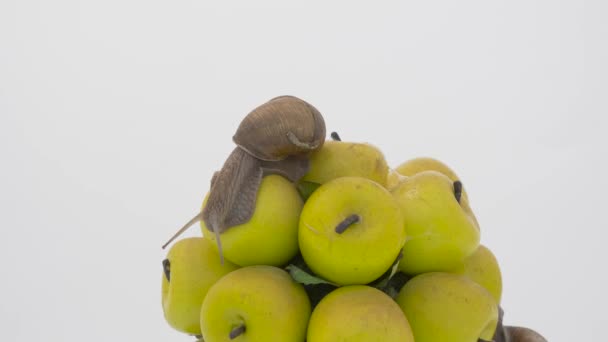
x: 255, y: 303
x: 448, y: 307
x: 417, y: 165
x: 340, y: 159
x: 191, y: 267
x: 441, y: 234
x: 351, y: 231
x: 393, y: 179
x: 358, y: 313
x: 270, y: 237
x: 482, y: 268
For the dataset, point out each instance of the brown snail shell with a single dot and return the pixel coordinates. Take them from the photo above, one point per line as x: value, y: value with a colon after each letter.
x: 522, y: 334
x: 283, y: 126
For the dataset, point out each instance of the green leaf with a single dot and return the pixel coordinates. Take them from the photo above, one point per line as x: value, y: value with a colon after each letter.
x: 384, y: 280
x: 304, y: 277
x: 307, y: 188
x: 392, y: 280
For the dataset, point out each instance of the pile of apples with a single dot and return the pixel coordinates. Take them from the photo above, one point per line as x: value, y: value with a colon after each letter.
x: 350, y: 251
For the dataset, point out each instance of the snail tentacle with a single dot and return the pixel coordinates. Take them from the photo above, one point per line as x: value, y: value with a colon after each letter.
x: 192, y: 221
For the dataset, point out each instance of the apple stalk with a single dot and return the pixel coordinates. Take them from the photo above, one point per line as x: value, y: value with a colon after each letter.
x: 236, y: 332
x: 347, y: 222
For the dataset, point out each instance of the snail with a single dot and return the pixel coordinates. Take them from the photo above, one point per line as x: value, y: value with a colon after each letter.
x: 274, y: 138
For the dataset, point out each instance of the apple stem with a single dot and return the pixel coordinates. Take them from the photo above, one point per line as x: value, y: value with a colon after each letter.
x: 335, y: 136
x: 342, y: 226
x: 236, y: 332
x: 458, y: 190
x: 192, y: 221
x: 167, y: 269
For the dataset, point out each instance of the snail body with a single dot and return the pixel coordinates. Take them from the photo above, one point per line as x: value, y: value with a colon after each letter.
x: 232, y: 195
x: 233, y: 189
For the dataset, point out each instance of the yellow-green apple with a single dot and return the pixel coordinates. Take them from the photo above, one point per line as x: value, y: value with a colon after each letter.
x: 482, y: 268
x: 358, y: 313
x: 393, y: 179
x: 441, y: 234
x: 255, y: 303
x: 340, y: 159
x: 270, y: 237
x: 191, y: 267
x: 417, y: 165
x: 448, y: 307
x: 351, y: 231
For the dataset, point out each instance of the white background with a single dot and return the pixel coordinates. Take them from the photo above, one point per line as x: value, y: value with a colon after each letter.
x: 114, y: 114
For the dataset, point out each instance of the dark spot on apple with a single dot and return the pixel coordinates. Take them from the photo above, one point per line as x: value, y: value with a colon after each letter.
x: 167, y: 269
x: 458, y: 190
x: 380, y: 164
x: 335, y: 136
